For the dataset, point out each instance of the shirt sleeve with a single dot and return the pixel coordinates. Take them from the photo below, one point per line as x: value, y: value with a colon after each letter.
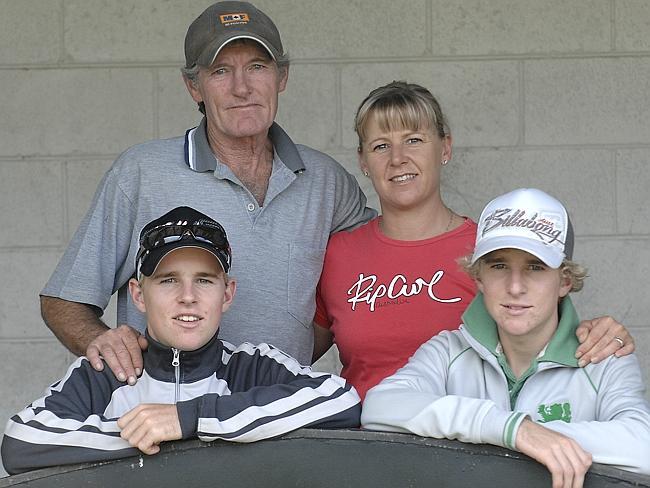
x: 620, y: 436
x: 66, y: 425
x: 350, y: 204
x: 271, y: 394
x: 415, y: 400
x: 88, y: 270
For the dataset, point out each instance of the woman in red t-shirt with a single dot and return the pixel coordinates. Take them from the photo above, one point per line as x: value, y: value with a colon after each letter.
x: 393, y: 283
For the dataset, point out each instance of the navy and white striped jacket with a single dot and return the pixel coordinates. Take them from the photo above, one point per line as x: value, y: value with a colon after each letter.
x: 241, y: 394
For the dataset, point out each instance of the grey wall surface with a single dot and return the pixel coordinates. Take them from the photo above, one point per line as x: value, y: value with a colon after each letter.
x: 545, y: 93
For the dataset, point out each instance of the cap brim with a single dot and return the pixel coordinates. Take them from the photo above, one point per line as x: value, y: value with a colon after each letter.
x: 548, y: 255
x: 213, y: 49
x: 153, y: 259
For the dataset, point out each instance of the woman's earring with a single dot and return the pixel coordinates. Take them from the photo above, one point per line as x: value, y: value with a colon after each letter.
x: 365, y: 173
x: 445, y: 161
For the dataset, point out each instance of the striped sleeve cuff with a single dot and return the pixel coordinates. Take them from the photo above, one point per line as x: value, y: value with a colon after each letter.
x: 499, y: 427
x: 511, y: 428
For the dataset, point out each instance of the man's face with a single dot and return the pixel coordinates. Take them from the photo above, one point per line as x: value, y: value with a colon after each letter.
x: 521, y: 294
x: 240, y: 91
x: 184, y: 298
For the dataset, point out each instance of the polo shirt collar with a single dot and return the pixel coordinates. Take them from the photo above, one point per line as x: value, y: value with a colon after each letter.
x: 199, y: 156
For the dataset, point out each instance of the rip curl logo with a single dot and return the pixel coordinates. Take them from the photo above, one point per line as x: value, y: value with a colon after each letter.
x: 231, y: 19
x: 508, y: 217
x: 555, y: 411
x: 366, y: 290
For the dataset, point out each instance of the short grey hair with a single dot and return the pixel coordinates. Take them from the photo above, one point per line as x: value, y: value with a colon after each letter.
x: 192, y: 74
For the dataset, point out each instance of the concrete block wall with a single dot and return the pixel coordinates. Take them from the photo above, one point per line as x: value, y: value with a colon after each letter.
x: 544, y: 93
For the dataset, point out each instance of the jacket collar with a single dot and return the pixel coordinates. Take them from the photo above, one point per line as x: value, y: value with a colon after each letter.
x: 158, y: 360
x: 560, y: 349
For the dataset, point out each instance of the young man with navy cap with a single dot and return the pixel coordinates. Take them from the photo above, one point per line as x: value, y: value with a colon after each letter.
x: 192, y: 381
x: 508, y: 376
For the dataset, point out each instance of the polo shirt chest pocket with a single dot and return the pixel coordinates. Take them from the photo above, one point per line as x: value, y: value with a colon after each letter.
x: 305, y: 266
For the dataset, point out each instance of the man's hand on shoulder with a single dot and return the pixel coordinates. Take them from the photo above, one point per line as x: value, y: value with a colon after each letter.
x: 149, y: 424
x: 122, y: 349
x: 564, y: 458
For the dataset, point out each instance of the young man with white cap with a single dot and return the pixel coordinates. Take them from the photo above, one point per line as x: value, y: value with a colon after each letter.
x: 193, y: 385
x: 508, y: 376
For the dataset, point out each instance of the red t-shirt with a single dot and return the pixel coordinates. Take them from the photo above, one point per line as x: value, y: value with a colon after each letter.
x: 382, y: 298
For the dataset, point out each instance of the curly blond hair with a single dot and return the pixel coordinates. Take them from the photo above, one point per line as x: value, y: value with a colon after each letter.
x: 569, y: 269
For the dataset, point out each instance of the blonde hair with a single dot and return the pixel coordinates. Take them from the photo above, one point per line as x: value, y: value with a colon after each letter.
x: 573, y: 271
x: 400, y: 105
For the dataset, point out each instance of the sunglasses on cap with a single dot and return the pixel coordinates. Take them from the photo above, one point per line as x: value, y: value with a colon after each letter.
x: 207, y: 231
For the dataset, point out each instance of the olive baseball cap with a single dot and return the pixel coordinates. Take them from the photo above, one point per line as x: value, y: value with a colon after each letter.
x: 224, y: 22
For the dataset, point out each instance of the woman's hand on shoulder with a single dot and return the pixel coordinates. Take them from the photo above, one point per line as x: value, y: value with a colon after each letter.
x: 600, y: 338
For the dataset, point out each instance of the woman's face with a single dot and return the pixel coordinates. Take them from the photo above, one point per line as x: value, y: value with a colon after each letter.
x: 404, y: 165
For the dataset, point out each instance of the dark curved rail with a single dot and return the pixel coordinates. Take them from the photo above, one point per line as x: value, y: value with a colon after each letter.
x: 319, y: 458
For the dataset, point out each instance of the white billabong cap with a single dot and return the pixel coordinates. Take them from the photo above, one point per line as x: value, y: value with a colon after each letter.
x: 526, y: 219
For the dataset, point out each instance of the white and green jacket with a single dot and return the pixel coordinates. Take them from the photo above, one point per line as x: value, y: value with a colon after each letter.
x: 458, y: 385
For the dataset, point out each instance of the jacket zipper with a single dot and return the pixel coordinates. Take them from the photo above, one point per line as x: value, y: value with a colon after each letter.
x: 176, y: 363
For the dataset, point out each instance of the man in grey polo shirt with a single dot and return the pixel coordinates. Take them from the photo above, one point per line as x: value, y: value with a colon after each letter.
x: 278, y: 201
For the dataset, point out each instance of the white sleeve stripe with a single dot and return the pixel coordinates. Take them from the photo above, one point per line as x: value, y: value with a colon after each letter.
x: 90, y: 440
x: 49, y: 419
x: 283, y: 425
x: 253, y: 413
x: 279, y: 357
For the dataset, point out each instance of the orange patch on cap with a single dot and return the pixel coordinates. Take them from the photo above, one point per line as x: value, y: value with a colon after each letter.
x: 227, y: 19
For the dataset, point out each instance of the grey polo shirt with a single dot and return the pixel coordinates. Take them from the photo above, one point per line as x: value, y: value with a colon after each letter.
x: 278, y: 248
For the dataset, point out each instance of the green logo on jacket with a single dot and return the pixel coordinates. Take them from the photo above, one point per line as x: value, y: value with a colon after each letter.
x: 555, y: 411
